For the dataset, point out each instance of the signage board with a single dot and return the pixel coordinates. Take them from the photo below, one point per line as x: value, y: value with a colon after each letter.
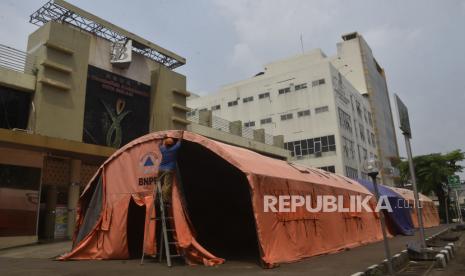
x: 404, y: 121
x: 116, y: 109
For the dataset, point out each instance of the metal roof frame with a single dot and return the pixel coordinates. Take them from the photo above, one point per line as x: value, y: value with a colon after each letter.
x: 64, y: 12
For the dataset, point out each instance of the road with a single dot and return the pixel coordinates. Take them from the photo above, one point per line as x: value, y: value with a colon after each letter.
x: 35, y: 260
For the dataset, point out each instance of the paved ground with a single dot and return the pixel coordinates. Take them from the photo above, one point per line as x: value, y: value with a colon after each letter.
x: 35, y: 260
x: 457, y: 265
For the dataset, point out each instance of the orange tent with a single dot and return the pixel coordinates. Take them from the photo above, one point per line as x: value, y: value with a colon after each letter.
x: 430, y: 213
x: 218, y: 202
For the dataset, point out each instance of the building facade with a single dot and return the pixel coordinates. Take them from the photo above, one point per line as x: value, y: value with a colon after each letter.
x: 369, y: 78
x: 325, y: 121
x: 84, y: 88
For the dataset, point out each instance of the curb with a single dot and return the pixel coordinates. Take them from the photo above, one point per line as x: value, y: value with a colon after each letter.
x: 442, y: 259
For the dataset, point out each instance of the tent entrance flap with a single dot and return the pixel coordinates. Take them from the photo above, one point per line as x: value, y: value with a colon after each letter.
x: 218, y: 200
x: 135, y: 229
x: 91, y: 204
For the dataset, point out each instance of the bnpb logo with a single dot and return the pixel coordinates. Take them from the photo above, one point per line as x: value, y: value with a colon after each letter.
x: 148, y: 163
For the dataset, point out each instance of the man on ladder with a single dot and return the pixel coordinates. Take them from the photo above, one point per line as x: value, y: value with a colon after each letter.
x: 169, y: 151
x: 164, y: 185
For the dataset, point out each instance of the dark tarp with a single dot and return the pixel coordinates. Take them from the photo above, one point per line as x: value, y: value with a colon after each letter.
x: 399, y: 219
x: 92, y: 213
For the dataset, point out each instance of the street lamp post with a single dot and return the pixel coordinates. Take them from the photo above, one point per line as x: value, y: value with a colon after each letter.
x: 372, y: 167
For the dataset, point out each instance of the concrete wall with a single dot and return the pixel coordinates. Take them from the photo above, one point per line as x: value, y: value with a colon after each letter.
x: 17, y: 80
x: 139, y: 69
x: 168, y: 103
x: 61, y: 54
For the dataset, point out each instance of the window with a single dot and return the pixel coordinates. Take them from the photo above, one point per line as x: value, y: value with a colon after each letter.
x: 318, y: 82
x: 344, y: 120
x: 362, y: 132
x: 365, y: 154
x: 317, y: 144
x: 303, y: 113
x: 370, y: 121
x: 373, y: 141
x: 284, y: 90
x: 321, y: 109
x: 285, y: 117
x: 232, y: 103
x: 248, y: 99
x: 365, y: 176
x: 359, y: 108
x: 331, y: 143
x: 351, y: 172
x: 300, y: 86
x: 365, y: 113
x: 369, y: 138
x: 249, y: 124
x: 311, y: 146
x: 14, y: 108
x: 264, y: 95
x: 266, y: 121
x: 191, y: 113
x: 325, y: 144
x: 348, y: 148
x: 355, y: 128
x: 216, y: 107
x: 328, y: 169
x: 203, y: 109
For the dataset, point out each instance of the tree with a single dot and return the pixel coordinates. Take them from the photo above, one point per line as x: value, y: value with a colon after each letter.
x: 431, y: 172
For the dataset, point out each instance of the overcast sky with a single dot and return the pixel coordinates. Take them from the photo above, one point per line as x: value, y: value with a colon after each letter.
x: 421, y: 45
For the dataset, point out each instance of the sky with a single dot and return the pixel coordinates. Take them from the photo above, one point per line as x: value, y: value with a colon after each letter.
x: 420, y: 44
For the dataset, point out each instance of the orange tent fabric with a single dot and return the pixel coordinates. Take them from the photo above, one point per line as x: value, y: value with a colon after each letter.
x: 430, y: 213
x: 282, y: 237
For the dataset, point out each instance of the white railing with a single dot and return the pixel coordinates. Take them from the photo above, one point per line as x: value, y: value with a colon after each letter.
x: 14, y: 59
x: 224, y: 125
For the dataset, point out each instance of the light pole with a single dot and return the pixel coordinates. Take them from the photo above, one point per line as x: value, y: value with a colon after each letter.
x: 373, y: 167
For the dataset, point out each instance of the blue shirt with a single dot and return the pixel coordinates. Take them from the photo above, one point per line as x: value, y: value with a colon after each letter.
x: 169, y: 155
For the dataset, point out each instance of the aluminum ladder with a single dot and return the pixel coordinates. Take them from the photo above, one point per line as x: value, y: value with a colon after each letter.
x: 166, y: 233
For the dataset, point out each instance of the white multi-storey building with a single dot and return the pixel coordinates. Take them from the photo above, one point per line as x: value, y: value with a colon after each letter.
x: 369, y: 78
x: 325, y: 121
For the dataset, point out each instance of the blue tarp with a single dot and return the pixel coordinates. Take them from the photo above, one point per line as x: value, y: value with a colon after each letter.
x: 399, y: 219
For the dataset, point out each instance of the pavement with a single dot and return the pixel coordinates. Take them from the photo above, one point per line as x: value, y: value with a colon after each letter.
x: 38, y: 260
x: 456, y: 265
